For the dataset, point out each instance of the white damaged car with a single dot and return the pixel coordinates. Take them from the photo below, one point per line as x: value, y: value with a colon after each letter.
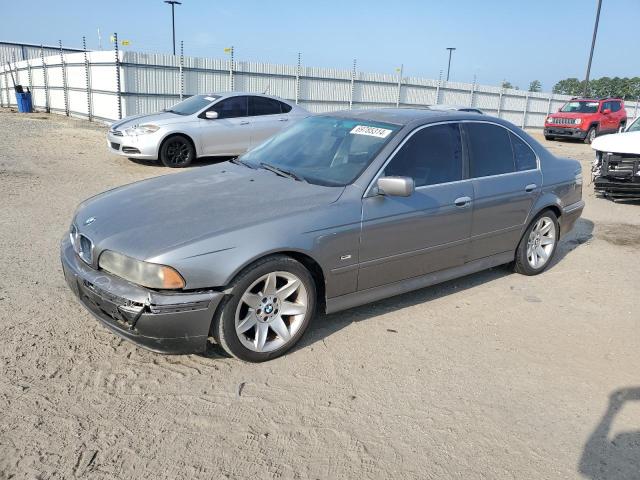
x: 616, y: 168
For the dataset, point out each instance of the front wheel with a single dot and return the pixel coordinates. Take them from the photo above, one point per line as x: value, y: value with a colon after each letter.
x: 538, y: 244
x: 591, y: 135
x: 271, y: 305
x: 177, y: 152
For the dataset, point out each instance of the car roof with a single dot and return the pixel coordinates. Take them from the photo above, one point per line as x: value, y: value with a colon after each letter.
x: 406, y: 116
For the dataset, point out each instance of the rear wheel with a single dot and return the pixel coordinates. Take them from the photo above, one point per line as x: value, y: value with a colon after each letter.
x: 538, y: 244
x: 270, y: 306
x: 177, y: 152
x: 591, y: 135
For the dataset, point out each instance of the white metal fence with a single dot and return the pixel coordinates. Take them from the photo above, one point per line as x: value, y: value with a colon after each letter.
x: 108, y: 85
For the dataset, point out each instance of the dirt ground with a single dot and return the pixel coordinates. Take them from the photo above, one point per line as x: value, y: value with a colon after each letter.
x: 495, y: 375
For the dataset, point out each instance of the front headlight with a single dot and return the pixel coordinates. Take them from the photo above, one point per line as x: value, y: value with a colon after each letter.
x: 142, y: 129
x: 151, y: 275
x: 577, y: 121
x: 549, y: 119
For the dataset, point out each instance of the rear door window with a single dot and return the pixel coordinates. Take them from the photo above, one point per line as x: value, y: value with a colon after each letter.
x: 263, y: 106
x: 432, y: 155
x: 490, y: 151
x: 233, y: 107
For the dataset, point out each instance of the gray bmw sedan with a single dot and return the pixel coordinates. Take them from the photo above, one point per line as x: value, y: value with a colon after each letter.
x: 337, y: 211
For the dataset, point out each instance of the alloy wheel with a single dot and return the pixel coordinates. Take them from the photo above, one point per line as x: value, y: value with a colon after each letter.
x: 541, y: 242
x: 178, y: 152
x: 271, y: 311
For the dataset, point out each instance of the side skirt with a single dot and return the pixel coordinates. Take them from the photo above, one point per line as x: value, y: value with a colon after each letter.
x: 356, y: 299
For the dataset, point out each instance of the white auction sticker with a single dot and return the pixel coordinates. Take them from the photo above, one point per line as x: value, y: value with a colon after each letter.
x: 371, y: 131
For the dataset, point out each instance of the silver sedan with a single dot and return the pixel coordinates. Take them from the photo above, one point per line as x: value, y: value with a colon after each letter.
x: 225, y: 124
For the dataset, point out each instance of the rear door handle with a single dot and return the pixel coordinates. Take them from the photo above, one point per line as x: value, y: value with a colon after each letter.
x: 283, y: 119
x: 462, y: 201
x: 244, y: 123
x: 530, y: 188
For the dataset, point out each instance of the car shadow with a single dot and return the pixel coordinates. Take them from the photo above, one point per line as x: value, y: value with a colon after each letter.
x: 198, y: 162
x: 326, y: 325
x: 617, y: 457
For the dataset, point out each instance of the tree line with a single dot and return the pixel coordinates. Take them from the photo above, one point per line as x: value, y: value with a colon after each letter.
x: 625, y: 88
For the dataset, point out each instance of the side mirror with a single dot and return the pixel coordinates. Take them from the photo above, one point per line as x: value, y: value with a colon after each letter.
x: 606, y: 111
x: 210, y: 115
x: 396, y: 186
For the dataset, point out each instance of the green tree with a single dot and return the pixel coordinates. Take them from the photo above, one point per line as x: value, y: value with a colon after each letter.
x: 535, y: 86
x: 626, y: 88
x: 506, y: 84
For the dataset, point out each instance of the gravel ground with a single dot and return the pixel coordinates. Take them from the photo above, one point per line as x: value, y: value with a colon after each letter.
x: 494, y: 375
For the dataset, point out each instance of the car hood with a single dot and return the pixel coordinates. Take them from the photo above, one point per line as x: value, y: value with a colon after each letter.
x: 161, y: 118
x: 152, y: 217
x: 626, y: 142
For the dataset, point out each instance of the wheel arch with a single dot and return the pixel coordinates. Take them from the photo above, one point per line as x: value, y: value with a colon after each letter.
x: 303, y: 257
x: 181, y: 134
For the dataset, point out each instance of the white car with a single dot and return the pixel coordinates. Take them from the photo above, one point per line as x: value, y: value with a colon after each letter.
x: 616, y: 168
x: 217, y: 124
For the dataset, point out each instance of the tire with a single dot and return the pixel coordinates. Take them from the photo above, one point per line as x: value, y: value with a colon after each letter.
x: 549, y: 138
x: 257, y: 304
x: 622, y: 126
x: 535, y: 235
x: 177, y: 152
x: 592, y: 133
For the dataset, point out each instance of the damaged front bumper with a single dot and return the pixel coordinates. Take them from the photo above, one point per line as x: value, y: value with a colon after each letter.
x: 617, y: 176
x: 164, y: 322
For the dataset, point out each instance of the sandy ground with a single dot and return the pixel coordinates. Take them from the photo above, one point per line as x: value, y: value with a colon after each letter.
x: 494, y: 375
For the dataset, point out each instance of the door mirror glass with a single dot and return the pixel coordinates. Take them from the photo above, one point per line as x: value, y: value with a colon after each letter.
x: 211, y: 115
x: 396, y: 186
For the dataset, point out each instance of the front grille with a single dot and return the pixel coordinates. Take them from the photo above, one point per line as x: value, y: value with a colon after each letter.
x: 115, y: 146
x: 620, y: 166
x: 115, y: 133
x: 82, y: 245
x: 563, y: 121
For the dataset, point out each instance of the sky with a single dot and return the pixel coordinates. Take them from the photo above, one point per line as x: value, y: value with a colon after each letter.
x: 516, y: 40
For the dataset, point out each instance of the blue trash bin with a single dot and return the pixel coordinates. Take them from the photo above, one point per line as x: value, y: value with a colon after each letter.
x: 24, y: 102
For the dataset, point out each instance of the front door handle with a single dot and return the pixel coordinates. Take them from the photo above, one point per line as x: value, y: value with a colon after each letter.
x: 283, y: 119
x: 530, y: 188
x: 244, y: 123
x: 462, y: 201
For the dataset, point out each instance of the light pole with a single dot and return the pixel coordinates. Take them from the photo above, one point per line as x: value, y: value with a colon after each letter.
x: 451, y: 49
x: 173, y: 4
x: 593, y: 44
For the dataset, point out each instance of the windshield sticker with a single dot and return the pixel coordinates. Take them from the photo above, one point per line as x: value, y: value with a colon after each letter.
x: 371, y: 131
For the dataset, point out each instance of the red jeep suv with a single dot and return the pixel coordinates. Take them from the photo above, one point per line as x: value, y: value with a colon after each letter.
x: 586, y: 118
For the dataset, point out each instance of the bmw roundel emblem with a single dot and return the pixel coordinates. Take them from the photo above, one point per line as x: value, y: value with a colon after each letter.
x: 89, y: 220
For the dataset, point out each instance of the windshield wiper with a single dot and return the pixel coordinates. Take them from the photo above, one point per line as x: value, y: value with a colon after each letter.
x: 237, y: 161
x: 282, y: 172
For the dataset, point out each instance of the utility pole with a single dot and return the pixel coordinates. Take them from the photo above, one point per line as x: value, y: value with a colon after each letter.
x: 451, y: 49
x: 593, y: 44
x: 173, y: 4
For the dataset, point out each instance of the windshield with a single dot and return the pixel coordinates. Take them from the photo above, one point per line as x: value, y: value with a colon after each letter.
x: 323, y: 150
x: 635, y: 126
x: 580, y: 107
x: 192, y: 104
